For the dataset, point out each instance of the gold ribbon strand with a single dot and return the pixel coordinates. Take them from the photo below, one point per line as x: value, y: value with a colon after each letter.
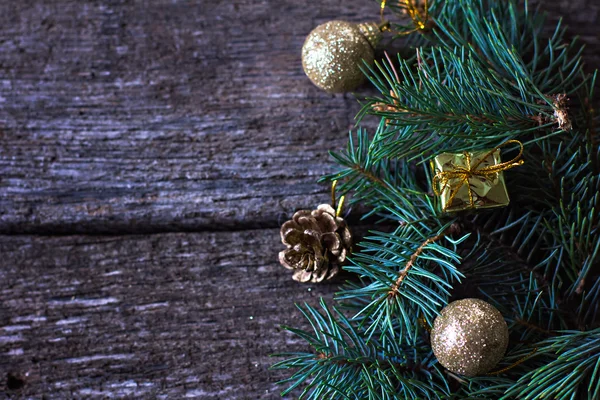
x: 441, y: 181
x: 419, y: 17
x: 340, y: 205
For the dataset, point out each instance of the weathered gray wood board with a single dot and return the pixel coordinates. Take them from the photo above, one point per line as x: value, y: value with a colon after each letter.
x: 159, y: 316
x: 162, y: 116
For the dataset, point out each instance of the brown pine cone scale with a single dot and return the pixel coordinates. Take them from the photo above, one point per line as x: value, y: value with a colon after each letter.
x: 317, y: 244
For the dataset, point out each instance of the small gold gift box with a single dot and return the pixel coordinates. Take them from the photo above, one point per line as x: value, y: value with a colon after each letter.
x: 472, y: 179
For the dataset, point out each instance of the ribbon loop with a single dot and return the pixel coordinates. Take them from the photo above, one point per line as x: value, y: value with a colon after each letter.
x: 460, y: 175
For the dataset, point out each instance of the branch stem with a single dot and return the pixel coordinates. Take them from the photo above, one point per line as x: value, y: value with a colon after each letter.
x: 404, y: 367
x: 413, y: 258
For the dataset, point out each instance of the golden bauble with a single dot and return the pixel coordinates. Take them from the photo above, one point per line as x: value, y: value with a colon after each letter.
x: 469, y: 337
x: 334, y: 51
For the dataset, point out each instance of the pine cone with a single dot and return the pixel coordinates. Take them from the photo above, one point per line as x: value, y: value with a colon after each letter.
x: 317, y: 242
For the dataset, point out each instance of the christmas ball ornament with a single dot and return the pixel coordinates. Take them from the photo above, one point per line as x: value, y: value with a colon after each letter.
x: 469, y: 337
x: 333, y: 53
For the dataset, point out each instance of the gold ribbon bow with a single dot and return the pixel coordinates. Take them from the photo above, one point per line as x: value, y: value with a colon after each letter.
x: 441, y: 181
x: 419, y: 14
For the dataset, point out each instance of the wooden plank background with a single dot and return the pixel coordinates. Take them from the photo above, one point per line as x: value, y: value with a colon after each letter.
x: 149, y: 151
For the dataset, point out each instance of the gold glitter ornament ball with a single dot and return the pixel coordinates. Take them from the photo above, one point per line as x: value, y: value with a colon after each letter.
x: 469, y: 337
x: 333, y: 53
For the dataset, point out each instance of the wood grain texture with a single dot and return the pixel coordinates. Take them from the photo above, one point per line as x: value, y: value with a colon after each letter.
x: 159, y: 316
x: 122, y: 116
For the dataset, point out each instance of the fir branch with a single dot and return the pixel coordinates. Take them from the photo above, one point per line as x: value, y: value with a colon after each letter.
x: 424, y: 290
x: 350, y: 365
x: 483, y: 74
x: 387, y: 185
x: 570, y: 370
x: 402, y: 367
x: 394, y: 290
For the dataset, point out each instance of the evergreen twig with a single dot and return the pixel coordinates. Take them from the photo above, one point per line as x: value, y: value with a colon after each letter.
x: 481, y: 73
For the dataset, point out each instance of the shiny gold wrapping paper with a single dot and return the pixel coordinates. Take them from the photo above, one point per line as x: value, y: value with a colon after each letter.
x: 487, y: 191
